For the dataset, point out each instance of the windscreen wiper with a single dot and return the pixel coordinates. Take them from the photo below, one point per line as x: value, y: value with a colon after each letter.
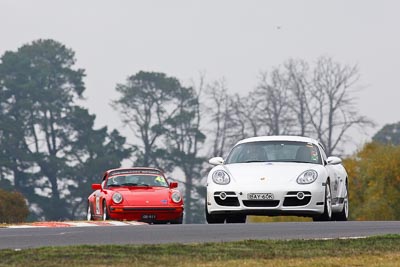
x: 299, y: 161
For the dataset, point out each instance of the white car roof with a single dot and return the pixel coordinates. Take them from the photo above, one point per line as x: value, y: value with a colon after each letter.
x: 279, y: 138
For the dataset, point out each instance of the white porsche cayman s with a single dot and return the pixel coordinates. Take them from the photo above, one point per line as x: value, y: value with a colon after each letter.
x: 277, y: 175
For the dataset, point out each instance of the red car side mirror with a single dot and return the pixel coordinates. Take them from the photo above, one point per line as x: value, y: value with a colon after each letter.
x: 173, y: 185
x: 96, y: 186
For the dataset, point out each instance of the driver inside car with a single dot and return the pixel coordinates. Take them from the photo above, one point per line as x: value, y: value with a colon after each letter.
x: 159, y: 181
x: 118, y: 180
x: 255, y: 153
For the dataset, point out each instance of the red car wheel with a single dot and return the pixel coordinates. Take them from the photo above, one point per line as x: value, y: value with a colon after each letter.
x: 106, y: 216
x: 89, y: 215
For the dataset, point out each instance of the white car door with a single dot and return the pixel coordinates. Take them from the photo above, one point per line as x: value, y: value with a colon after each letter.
x: 341, y: 175
x: 333, y: 176
x: 334, y: 181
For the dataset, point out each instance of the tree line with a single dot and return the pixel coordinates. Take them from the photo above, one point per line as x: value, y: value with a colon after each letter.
x: 51, y: 152
x: 294, y: 99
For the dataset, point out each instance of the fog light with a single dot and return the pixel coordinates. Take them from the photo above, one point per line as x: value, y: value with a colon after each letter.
x: 300, y: 195
x: 222, y: 195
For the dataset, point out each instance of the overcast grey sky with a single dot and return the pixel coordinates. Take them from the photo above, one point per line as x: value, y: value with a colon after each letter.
x: 227, y: 39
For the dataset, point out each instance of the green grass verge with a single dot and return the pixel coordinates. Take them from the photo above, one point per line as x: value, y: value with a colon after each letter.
x: 373, y: 251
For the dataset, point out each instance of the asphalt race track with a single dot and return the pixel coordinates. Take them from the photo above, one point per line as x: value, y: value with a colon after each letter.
x: 19, y: 238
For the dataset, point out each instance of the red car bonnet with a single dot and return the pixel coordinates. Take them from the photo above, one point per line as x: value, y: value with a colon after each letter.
x: 144, y: 196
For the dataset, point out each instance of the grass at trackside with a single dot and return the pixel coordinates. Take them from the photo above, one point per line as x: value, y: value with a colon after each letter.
x: 373, y: 251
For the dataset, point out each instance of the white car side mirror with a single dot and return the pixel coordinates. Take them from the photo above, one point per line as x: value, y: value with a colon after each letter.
x: 333, y: 160
x: 216, y: 161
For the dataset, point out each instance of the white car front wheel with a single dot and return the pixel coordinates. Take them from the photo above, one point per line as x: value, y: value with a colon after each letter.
x: 216, y: 218
x: 327, y: 215
x: 344, y: 214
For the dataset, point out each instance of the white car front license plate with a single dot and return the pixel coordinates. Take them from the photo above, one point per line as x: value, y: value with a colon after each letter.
x: 260, y: 196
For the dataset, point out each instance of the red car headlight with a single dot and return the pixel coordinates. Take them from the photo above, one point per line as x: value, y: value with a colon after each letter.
x: 117, y: 198
x: 176, y: 197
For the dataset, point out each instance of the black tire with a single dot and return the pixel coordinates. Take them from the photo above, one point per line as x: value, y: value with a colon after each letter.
x: 327, y: 215
x: 158, y: 222
x: 177, y: 221
x: 344, y: 214
x: 216, y: 218
x: 106, y: 215
x: 89, y: 215
x: 237, y: 218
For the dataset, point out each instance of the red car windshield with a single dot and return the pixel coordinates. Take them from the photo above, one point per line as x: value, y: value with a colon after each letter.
x: 137, y: 180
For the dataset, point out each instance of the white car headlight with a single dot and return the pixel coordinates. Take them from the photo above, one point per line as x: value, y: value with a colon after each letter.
x: 221, y: 177
x: 117, y: 198
x: 307, y: 177
x: 176, y: 197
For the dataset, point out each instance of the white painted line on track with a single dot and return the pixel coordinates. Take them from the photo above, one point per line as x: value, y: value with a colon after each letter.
x: 342, y: 238
x: 75, y: 224
x: 81, y: 224
x: 24, y: 226
x: 117, y: 223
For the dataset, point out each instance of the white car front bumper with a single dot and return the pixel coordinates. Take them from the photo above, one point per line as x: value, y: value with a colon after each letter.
x: 229, y: 199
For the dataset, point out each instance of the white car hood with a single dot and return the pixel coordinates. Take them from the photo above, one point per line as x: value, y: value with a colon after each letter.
x: 276, y: 173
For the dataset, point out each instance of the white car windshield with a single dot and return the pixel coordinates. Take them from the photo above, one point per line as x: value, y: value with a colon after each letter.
x: 275, y: 151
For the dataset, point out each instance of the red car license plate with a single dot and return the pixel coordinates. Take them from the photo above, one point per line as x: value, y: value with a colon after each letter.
x: 148, y: 216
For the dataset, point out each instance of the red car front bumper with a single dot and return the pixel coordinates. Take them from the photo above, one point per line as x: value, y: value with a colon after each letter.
x: 146, y: 213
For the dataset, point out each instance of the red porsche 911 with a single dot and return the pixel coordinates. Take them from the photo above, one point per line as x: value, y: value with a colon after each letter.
x: 136, y: 194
